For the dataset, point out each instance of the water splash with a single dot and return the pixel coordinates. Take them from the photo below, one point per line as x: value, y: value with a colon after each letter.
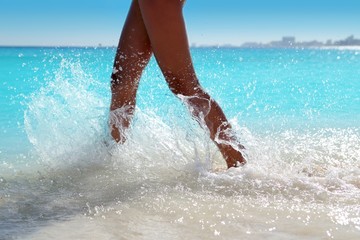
x: 66, y: 116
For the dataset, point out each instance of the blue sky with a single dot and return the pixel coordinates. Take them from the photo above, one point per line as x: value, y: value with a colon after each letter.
x: 90, y: 22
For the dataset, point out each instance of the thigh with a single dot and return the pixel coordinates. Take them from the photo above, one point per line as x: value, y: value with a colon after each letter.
x: 165, y: 26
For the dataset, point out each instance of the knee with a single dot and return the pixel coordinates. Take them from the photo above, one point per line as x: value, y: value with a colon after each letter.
x: 116, y: 81
x: 126, y: 72
x: 182, y: 85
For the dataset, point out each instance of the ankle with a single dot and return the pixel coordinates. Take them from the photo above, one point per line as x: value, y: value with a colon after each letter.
x: 232, y: 156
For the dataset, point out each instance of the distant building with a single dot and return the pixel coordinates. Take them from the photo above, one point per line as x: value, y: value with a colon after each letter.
x: 349, y: 41
x: 310, y: 44
x: 286, y: 42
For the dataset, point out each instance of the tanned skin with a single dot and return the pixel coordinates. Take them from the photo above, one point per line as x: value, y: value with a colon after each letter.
x: 157, y: 27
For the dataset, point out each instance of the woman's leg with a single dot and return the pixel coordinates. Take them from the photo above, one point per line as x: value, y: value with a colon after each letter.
x: 165, y: 26
x: 133, y: 54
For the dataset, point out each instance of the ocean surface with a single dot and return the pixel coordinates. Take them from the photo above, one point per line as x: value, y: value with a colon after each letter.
x: 297, y: 112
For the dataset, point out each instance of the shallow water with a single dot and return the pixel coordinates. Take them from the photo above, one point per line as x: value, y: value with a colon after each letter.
x: 296, y: 111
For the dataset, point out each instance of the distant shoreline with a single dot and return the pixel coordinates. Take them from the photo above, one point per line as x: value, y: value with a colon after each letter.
x: 287, y: 42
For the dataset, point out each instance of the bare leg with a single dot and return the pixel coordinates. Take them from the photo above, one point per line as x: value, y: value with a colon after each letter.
x: 133, y: 54
x: 165, y: 26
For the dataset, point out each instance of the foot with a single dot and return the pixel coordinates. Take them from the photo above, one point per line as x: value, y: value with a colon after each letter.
x: 115, y: 134
x: 233, y: 157
x: 119, y: 122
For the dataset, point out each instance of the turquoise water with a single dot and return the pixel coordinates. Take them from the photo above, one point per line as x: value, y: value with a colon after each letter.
x: 273, y: 88
x: 297, y: 111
